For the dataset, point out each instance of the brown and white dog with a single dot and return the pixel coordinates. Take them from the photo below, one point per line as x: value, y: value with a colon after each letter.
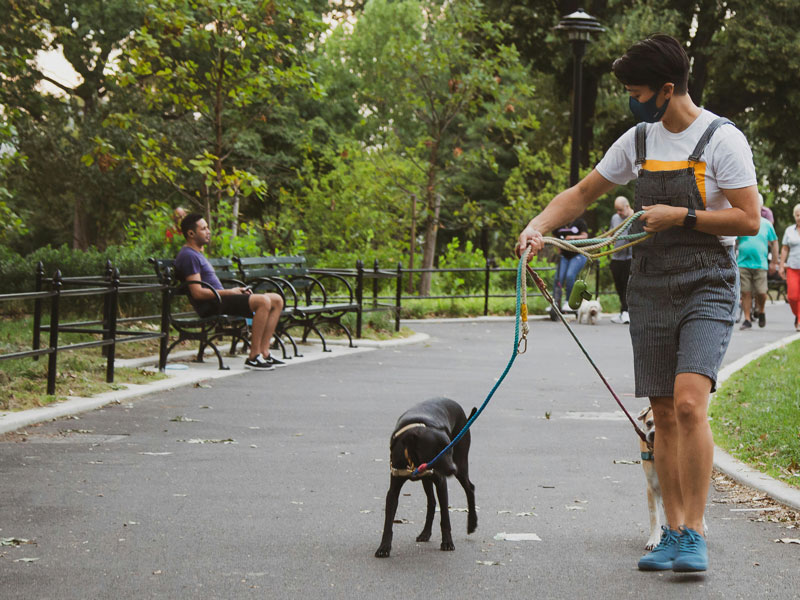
x: 655, y: 502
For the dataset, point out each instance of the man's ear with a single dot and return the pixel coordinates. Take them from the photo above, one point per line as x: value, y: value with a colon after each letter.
x: 669, y: 90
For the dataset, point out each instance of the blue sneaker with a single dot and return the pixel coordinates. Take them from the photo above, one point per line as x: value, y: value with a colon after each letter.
x: 662, y: 556
x: 692, y: 552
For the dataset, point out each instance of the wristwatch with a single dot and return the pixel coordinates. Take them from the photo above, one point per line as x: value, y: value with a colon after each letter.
x: 690, y: 220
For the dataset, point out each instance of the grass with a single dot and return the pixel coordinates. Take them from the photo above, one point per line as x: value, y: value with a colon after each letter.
x: 755, y: 416
x: 80, y: 372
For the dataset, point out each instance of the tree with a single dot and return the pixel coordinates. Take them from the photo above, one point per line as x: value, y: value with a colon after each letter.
x: 208, y: 73
x: 424, y: 78
x: 53, y: 131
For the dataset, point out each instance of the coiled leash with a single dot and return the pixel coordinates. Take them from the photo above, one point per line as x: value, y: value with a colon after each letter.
x: 585, y: 248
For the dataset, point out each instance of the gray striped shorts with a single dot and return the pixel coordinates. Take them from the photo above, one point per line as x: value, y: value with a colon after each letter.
x: 682, y: 305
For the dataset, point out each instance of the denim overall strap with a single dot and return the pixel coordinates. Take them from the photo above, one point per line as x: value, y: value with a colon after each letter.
x: 678, y: 188
x: 706, y: 137
x: 641, y: 143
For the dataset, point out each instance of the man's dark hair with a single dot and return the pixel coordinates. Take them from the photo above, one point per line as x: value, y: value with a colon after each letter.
x: 654, y: 61
x: 189, y: 223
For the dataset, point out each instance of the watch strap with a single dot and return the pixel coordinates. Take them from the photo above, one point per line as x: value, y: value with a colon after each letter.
x: 691, y: 219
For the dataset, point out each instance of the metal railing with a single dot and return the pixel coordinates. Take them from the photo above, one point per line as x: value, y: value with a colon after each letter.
x: 110, y: 286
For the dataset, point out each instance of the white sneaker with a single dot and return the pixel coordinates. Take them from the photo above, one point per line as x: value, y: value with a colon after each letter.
x: 617, y: 318
x: 565, y: 308
x: 626, y: 318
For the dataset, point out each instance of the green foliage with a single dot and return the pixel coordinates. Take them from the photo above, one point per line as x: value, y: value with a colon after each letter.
x: 207, y: 72
x: 457, y: 257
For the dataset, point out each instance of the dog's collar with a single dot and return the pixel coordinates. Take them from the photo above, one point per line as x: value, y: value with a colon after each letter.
x: 647, y: 455
x: 408, y: 471
x: 407, y: 427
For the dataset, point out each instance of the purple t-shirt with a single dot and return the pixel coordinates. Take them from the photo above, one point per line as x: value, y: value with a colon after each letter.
x: 189, y: 261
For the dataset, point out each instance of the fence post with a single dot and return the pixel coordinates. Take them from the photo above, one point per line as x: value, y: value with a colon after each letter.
x: 107, y: 276
x: 359, y: 295
x: 113, y: 303
x: 398, y: 297
x: 164, y: 341
x: 52, y: 363
x: 37, y: 309
x: 375, y: 284
x: 486, y: 288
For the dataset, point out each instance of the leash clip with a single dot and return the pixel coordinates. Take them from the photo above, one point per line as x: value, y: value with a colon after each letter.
x: 522, y: 345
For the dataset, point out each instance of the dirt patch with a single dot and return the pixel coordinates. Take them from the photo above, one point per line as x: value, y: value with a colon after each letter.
x: 732, y: 492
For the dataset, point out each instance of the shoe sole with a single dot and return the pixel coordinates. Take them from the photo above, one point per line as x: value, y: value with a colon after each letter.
x: 655, y: 567
x: 252, y: 368
x: 688, y: 569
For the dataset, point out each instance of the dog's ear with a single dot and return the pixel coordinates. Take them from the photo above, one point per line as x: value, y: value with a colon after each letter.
x: 644, y: 412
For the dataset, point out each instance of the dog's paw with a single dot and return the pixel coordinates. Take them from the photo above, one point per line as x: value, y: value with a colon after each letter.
x: 472, y: 523
x: 425, y: 536
x: 447, y: 546
x: 383, y: 551
x: 651, y: 544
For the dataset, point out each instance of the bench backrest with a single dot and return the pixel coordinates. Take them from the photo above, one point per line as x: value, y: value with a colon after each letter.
x: 272, y: 266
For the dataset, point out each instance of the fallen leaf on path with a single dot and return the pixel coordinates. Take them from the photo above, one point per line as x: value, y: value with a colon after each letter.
x: 26, y: 560
x: 155, y: 453
x: 489, y: 563
x: 12, y: 541
x: 575, y: 507
x: 627, y: 462
x: 403, y: 522
x: 181, y: 419
x: 200, y: 441
x: 527, y: 514
x: 788, y: 541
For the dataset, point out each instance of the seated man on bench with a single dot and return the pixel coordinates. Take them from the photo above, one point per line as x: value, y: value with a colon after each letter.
x: 265, y: 309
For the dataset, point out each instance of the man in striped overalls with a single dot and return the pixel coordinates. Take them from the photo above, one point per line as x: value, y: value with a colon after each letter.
x: 696, y: 183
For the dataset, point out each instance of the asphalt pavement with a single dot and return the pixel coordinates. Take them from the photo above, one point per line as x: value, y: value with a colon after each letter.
x: 272, y: 485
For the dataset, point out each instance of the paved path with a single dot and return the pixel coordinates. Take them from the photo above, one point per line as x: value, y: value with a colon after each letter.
x: 293, y: 508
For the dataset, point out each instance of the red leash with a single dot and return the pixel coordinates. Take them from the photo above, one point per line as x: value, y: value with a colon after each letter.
x: 543, y: 288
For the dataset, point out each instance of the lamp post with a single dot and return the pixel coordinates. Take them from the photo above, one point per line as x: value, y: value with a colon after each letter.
x: 579, y: 27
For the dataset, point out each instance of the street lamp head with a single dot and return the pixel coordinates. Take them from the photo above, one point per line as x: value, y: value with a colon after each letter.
x: 580, y: 26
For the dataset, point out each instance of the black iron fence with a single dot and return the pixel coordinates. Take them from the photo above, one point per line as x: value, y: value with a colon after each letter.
x: 110, y: 287
x: 371, y: 291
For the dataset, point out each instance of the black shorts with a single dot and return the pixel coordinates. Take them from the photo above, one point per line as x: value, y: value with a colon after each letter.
x: 233, y: 304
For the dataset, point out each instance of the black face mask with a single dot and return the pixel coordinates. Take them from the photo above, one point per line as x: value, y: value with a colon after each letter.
x: 647, y: 111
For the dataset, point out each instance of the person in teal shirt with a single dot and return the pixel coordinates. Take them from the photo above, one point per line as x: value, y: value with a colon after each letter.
x: 757, y: 254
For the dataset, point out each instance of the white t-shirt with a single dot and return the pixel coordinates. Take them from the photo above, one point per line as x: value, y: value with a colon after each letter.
x: 726, y: 163
x: 791, y: 238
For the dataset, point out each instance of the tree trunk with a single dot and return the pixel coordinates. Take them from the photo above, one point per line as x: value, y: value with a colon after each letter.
x: 80, y: 238
x: 235, y: 215
x: 412, y: 242
x: 434, y: 204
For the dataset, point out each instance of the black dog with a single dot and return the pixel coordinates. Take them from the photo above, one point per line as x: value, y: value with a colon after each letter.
x: 421, y: 433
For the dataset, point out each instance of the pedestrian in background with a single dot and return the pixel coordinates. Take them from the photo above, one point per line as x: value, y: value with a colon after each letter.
x: 569, y: 263
x: 621, y: 261
x: 754, y: 261
x: 789, y: 267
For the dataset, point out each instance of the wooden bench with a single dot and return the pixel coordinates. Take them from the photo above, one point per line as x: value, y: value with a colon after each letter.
x: 187, y: 323
x: 307, y: 298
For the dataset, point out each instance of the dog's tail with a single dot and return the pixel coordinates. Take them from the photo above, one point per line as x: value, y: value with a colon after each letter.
x: 474, y: 410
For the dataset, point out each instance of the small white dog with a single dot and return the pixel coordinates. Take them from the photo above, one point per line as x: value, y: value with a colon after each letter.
x: 589, y: 312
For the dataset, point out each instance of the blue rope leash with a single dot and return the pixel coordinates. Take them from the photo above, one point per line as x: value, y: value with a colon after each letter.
x: 520, y: 274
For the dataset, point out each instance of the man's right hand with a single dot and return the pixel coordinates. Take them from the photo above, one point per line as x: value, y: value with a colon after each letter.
x: 530, y: 237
